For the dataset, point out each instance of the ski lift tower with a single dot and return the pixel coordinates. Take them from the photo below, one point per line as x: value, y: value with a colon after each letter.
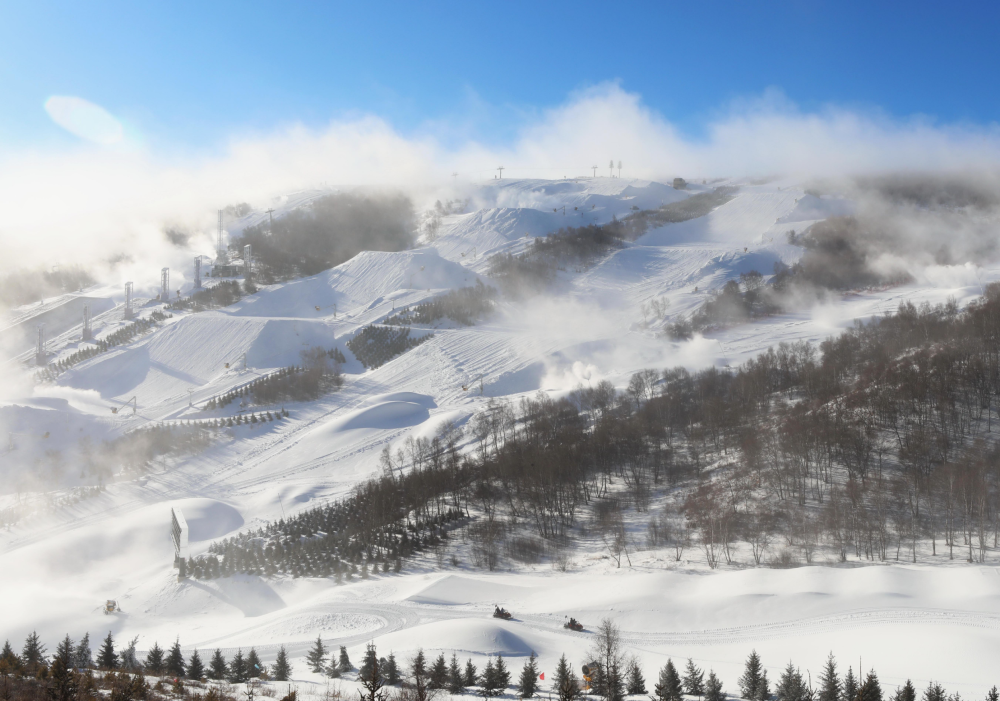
x: 88, y: 332
x: 179, y: 536
x: 128, y: 300
x: 40, y: 359
x: 246, y: 262
x: 220, y: 251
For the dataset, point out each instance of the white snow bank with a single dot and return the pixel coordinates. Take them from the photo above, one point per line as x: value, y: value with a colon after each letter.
x: 208, y: 518
x: 476, y: 636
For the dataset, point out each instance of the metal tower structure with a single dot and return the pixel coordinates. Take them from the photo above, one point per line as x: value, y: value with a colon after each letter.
x: 246, y: 262
x: 40, y: 358
x: 88, y: 333
x: 165, y: 284
x: 220, y: 251
x: 128, y: 300
x: 197, y: 272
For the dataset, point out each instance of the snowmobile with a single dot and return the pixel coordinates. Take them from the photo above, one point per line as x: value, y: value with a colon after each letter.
x: 573, y: 624
x: 503, y: 613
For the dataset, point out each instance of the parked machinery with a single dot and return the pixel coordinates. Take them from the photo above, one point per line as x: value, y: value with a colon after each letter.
x: 500, y: 612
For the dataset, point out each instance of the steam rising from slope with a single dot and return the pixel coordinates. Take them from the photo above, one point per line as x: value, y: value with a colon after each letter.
x: 92, y: 204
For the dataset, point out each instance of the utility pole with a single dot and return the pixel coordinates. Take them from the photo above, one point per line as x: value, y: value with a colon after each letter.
x: 270, y: 216
x: 501, y: 172
x: 595, y: 170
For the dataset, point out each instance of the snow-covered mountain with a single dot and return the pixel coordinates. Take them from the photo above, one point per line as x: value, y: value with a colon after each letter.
x: 71, y: 548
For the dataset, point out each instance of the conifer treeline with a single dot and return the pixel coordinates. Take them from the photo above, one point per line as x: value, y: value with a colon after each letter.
x: 343, y: 540
x: 611, y: 675
x: 374, y: 346
x: 464, y: 306
x: 294, y: 383
x: 119, y: 337
x: 221, y: 294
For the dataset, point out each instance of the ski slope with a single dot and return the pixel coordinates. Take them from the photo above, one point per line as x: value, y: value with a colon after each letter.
x: 71, y: 551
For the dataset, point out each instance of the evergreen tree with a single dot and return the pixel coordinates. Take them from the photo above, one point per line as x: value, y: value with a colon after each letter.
x: 368, y: 663
x: 107, y: 658
x: 907, y: 692
x: 849, y: 690
x: 991, y: 695
x: 418, y: 666
x: 33, y: 652
x: 64, y: 652
x: 694, y: 679
x: 392, y: 676
x: 829, y: 682
x: 527, y: 685
x: 713, y: 688
x: 9, y: 658
x: 238, y: 668
x: 371, y: 680
x: 316, y: 657
x: 82, y: 655
x: 456, y: 681
x: 753, y: 683
x: 175, y: 661
x: 282, y: 668
x: 63, y: 681
x: 935, y: 692
x: 217, y: 667
x: 488, y: 683
x: 636, y: 683
x: 254, y: 666
x: 344, y: 663
x: 791, y: 686
x: 195, y: 669
x: 154, y: 661
x: 439, y: 674
x: 503, y: 675
x: 128, y: 660
x: 871, y: 690
x: 668, y: 687
x: 566, y: 683
x: 470, y: 673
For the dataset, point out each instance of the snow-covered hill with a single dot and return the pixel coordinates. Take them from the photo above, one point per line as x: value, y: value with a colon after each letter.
x: 69, y: 551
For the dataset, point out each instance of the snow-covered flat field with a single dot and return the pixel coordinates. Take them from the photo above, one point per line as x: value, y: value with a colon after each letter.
x: 70, y: 551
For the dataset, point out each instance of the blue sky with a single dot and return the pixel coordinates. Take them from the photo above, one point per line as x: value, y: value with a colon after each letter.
x: 187, y: 77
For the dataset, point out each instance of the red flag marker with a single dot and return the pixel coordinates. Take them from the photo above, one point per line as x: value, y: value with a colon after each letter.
x: 542, y: 676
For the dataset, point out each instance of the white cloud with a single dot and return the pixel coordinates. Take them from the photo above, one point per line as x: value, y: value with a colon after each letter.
x: 89, y: 203
x: 85, y: 119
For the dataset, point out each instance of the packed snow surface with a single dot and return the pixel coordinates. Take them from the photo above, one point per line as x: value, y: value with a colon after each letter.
x: 74, y: 550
